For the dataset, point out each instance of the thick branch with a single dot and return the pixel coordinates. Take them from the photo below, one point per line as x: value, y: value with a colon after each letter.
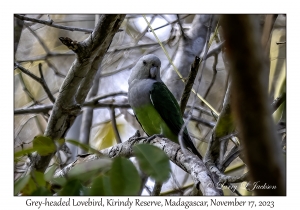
x: 188, y: 49
x: 189, y: 163
x: 250, y: 103
x: 77, y: 83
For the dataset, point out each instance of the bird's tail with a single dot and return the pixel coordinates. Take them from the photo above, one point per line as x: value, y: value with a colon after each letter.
x: 190, y: 145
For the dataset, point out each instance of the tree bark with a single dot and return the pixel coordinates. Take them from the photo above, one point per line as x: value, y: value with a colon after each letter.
x: 251, y: 106
x: 72, y: 93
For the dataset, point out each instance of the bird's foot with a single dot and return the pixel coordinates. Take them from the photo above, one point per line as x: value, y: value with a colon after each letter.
x: 149, y: 139
x: 135, y: 137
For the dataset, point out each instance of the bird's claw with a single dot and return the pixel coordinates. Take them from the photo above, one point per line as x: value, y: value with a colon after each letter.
x: 149, y: 139
x: 135, y: 137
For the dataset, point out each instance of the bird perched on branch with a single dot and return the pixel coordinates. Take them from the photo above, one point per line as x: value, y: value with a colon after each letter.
x: 154, y: 105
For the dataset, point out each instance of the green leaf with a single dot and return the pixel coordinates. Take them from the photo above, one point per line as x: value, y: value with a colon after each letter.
x: 71, y: 188
x: 43, y: 145
x: 39, y: 178
x: 124, y: 177
x: 61, y: 181
x: 84, y: 191
x: 23, y: 152
x: 86, y: 170
x: 60, y: 141
x: 29, y: 188
x: 49, y: 174
x: 87, y: 148
x: 41, y: 191
x: 153, y: 161
x: 101, y: 186
x: 21, y: 183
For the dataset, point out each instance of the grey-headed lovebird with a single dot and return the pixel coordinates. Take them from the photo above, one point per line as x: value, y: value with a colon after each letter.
x: 154, y: 105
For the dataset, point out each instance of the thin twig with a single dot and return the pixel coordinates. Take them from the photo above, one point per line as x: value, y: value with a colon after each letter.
x: 176, y: 191
x: 206, y: 55
x: 201, y: 120
x: 200, y: 108
x: 38, y: 79
x: 181, y: 28
x: 180, y: 135
x: 41, y: 71
x: 231, y: 156
x: 46, y: 108
x: 267, y: 30
x: 114, y: 125
x: 25, y: 89
x: 176, y: 184
x: 242, y: 178
x: 228, y: 136
x: 156, y: 189
x: 278, y: 43
x: 170, y: 23
x: 121, y: 48
x: 223, y: 179
x: 207, y: 46
x: 278, y: 101
x: 43, y: 57
x: 38, y: 38
x: 51, y: 24
x: 51, y: 66
x: 189, y: 84
x: 214, y: 68
x: 97, y: 98
x: 215, y: 50
x: 128, y: 67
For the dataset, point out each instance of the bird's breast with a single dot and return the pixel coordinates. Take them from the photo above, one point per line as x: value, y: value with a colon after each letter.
x: 139, y: 92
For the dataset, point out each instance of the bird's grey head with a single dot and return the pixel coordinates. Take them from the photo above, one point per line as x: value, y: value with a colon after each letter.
x: 148, y: 67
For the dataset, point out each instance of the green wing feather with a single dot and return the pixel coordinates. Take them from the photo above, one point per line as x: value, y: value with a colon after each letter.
x: 167, y: 106
x: 169, y: 110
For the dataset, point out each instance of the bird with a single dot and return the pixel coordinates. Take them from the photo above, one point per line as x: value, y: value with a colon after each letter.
x: 154, y: 106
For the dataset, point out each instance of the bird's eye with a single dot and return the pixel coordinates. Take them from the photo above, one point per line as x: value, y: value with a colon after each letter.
x: 144, y: 62
x: 152, y: 64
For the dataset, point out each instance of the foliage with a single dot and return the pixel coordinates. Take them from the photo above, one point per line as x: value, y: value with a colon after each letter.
x: 102, y: 176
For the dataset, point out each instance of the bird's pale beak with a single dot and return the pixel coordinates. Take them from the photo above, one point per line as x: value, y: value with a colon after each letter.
x: 153, y: 72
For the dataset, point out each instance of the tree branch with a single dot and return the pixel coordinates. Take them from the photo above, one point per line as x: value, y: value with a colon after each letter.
x: 51, y: 24
x: 190, y: 163
x: 189, y: 84
x: 40, y: 80
x: 171, y: 23
x: 202, y: 121
x: 250, y: 103
x: 188, y: 49
x: 47, y: 108
x: 114, y: 125
x: 278, y: 101
x: 156, y: 189
x: 76, y: 85
x: 224, y: 126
